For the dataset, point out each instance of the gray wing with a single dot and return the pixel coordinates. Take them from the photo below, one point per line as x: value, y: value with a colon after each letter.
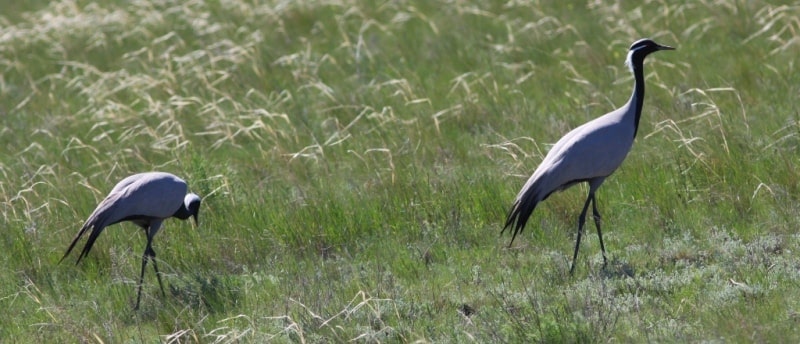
x: 585, y: 153
x: 582, y: 154
x: 153, y: 194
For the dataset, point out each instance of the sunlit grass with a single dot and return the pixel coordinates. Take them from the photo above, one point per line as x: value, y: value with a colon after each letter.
x: 357, y: 158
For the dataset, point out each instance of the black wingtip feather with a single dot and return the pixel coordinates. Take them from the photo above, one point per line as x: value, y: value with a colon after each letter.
x: 75, y: 241
x: 96, y: 222
x: 90, y: 242
x: 518, y: 215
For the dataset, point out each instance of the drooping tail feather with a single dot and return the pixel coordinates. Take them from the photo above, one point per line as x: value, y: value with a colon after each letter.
x: 522, y: 209
x: 75, y: 241
x: 96, y: 222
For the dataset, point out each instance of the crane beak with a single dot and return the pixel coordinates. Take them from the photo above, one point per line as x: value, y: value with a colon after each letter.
x: 665, y: 47
x: 194, y: 216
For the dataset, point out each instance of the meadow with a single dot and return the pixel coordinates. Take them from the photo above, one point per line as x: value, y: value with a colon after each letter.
x: 357, y: 158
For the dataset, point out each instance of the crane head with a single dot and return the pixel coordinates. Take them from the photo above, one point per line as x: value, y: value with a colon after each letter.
x: 640, y: 49
x: 647, y: 46
x: 192, y: 204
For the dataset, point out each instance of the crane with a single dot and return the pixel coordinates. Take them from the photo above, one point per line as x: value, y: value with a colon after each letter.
x: 589, y: 153
x: 146, y: 199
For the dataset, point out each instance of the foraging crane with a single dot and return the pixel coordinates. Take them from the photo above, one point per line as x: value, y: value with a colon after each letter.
x: 589, y: 153
x: 146, y: 199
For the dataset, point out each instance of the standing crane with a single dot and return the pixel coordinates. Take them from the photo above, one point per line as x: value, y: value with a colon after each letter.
x: 146, y: 199
x: 589, y: 153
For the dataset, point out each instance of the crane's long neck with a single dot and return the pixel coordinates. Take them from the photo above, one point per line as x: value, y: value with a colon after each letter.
x: 637, y: 98
x: 183, y: 212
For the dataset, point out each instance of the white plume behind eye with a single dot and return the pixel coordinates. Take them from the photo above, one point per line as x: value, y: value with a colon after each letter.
x: 190, y: 198
x: 628, y: 62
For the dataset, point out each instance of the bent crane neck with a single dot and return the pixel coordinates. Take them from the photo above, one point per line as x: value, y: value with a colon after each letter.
x: 182, y: 213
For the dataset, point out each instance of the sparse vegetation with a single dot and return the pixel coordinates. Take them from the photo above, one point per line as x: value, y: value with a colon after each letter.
x: 357, y: 159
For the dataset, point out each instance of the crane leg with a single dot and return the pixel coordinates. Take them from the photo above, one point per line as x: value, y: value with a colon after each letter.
x: 581, y: 221
x: 149, y: 254
x: 158, y: 274
x: 141, y: 279
x: 599, y: 232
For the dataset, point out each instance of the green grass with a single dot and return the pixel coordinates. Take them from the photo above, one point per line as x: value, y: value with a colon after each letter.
x: 357, y: 159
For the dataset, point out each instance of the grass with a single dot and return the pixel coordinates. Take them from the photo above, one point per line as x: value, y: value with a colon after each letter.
x: 357, y: 158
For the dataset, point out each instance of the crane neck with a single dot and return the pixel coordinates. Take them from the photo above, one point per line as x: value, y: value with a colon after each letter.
x: 637, y: 98
x: 182, y: 213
